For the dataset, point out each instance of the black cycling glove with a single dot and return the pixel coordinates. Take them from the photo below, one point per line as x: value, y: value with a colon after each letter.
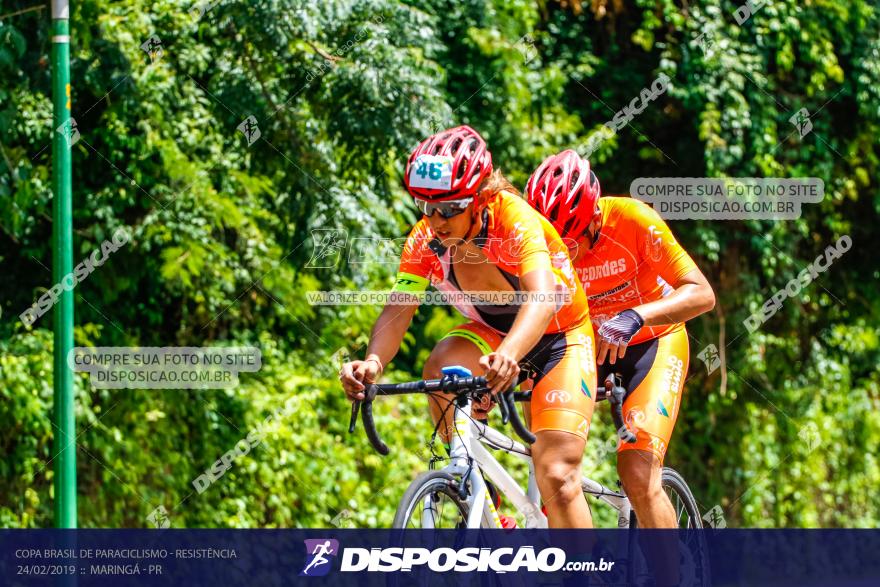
x: 622, y: 327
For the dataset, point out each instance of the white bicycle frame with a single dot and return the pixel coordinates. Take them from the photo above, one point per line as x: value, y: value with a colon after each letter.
x: 468, y: 457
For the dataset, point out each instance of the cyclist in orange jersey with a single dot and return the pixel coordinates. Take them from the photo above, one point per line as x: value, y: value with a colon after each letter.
x: 478, y: 236
x: 642, y: 286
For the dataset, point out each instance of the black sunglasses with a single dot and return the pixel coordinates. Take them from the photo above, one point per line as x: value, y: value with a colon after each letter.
x: 448, y: 209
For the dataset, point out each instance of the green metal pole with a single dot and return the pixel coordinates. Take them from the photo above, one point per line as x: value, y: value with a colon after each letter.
x: 62, y: 264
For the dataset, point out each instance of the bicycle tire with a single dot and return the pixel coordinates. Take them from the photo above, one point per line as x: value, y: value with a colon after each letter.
x: 425, y: 484
x: 674, y: 481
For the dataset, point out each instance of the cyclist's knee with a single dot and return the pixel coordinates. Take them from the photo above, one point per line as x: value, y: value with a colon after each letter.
x: 451, y: 351
x: 560, y: 483
x: 439, y: 358
x: 640, y: 473
x: 557, y: 457
x: 433, y: 366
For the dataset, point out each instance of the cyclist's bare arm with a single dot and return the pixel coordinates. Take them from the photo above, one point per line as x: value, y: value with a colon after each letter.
x: 528, y: 327
x: 692, y: 296
x: 388, y: 332
x: 385, y: 339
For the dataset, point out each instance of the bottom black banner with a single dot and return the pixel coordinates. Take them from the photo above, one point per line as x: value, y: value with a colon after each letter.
x: 446, y: 557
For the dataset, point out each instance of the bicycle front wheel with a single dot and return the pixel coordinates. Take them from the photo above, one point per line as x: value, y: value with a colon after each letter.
x: 432, y: 501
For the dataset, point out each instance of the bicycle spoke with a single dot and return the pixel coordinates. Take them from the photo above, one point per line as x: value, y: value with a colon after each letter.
x: 680, y: 508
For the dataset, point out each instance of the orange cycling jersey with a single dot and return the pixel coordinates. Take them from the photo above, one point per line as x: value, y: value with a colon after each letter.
x: 517, y: 240
x: 633, y: 262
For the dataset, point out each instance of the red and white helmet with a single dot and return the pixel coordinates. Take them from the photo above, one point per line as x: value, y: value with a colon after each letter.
x: 564, y: 190
x: 448, y: 165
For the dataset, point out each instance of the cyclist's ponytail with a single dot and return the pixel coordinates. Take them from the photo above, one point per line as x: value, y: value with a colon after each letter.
x: 491, y: 188
x: 493, y: 185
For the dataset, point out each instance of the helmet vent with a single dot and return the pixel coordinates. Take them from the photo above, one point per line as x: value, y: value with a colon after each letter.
x: 576, y: 199
x: 594, y: 184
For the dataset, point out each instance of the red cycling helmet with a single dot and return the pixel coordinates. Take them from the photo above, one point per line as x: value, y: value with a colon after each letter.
x: 565, y: 190
x: 448, y: 165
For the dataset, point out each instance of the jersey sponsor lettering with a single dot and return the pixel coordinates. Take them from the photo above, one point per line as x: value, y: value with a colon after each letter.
x: 633, y: 262
x: 670, y: 384
x: 606, y: 269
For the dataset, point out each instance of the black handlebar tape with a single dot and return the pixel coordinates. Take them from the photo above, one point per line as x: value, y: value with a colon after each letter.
x: 616, y: 399
x: 399, y: 388
x: 516, y: 422
x: 456, y: 384
x: 449, y: 384
x: 479, y: 382
x: 521, y: 396
x: 370, y: 425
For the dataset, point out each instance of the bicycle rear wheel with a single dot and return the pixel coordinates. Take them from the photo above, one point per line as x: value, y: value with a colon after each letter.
x: 431, y: 501
x: 694, y: 563
x: 687, y: 512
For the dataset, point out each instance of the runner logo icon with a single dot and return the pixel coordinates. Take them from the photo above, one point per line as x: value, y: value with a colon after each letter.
x: 318, y: 553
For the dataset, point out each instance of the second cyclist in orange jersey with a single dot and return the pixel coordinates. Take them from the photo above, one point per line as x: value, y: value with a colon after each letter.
x: 641, y: 286
x: 633, y: 262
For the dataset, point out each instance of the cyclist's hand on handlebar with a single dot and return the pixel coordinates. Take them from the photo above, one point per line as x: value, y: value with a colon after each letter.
x: 501, y: 370
x: 354, y: 374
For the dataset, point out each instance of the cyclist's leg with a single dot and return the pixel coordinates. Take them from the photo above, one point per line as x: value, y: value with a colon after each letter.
x: 651, y: 409
x: 463, y: 345
x: 563, y: 398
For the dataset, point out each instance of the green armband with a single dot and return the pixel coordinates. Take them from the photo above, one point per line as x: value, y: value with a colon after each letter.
x: 410, y: 282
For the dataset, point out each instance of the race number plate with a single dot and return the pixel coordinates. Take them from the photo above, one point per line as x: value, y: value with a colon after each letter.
x: 432, y: 172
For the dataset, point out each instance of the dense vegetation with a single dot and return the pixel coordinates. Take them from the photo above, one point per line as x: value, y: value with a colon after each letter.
x: 784, y: 433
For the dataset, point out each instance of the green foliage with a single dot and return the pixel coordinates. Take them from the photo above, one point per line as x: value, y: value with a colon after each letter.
x: 222, y: 235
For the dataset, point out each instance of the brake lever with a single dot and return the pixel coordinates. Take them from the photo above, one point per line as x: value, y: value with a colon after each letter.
x: 616, y: 396
x: 505, y: 409
x: 355, y: 408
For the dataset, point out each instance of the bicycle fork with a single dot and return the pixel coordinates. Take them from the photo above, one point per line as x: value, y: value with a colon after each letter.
x: 472, y: 487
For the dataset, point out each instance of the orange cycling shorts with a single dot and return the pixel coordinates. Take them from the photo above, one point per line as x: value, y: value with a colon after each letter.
x: 562, y: 372
x: 653, y: 373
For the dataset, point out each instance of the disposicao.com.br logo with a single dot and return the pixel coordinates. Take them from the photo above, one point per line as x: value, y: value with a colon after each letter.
x: 441, y: 560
